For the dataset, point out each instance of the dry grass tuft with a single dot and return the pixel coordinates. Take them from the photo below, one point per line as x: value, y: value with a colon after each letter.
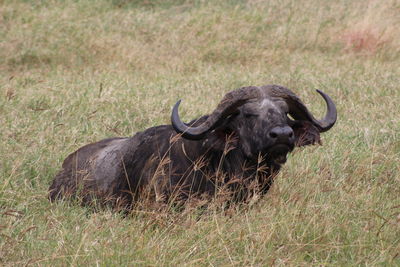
x: 373, y: 28
x: 367, y: 41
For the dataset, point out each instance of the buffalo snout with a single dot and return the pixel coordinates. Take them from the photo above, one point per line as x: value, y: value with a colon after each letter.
x: 282, y: 134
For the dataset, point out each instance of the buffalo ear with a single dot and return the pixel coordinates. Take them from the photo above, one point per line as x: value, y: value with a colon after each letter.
x: 306, y: 133
x: 221, y: 139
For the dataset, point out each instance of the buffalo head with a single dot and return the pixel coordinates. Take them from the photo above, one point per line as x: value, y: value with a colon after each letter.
x: 268, y: 121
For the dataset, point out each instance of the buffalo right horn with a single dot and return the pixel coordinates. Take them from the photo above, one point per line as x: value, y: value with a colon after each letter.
x: 300, y: 112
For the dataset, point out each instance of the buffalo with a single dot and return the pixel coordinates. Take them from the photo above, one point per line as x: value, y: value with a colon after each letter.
x: 239, y: 147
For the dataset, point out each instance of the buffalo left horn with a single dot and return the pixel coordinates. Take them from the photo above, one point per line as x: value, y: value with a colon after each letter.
x: 226, y: 107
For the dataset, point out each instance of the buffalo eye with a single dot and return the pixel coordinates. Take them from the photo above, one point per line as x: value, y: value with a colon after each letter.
x: 250, y: 115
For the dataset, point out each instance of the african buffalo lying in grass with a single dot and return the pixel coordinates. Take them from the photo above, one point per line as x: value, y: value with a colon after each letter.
x: 240, y: 147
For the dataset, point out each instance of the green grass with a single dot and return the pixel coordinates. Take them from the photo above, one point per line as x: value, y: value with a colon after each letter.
x: 74, y: 72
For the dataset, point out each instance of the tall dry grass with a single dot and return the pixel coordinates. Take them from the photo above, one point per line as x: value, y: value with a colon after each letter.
x: 73, y: 72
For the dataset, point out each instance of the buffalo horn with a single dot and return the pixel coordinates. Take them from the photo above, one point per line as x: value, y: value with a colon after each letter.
x: 226, y: 107
x: 300, y: 112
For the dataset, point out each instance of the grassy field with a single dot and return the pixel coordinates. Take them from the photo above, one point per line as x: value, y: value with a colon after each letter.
x: 74, y: 72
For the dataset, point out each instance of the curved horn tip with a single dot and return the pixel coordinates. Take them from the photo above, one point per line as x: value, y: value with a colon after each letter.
x: 176, y: 122
x: 174, y: 113
x: 180, y: 127
x: 178, y: 103
x: 331, y: 116
x: 320, y: 92
x: 324, y: 95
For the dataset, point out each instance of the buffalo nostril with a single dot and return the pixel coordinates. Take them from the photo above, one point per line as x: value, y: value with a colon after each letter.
x: 273, y: 135
x: 282, y: 133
